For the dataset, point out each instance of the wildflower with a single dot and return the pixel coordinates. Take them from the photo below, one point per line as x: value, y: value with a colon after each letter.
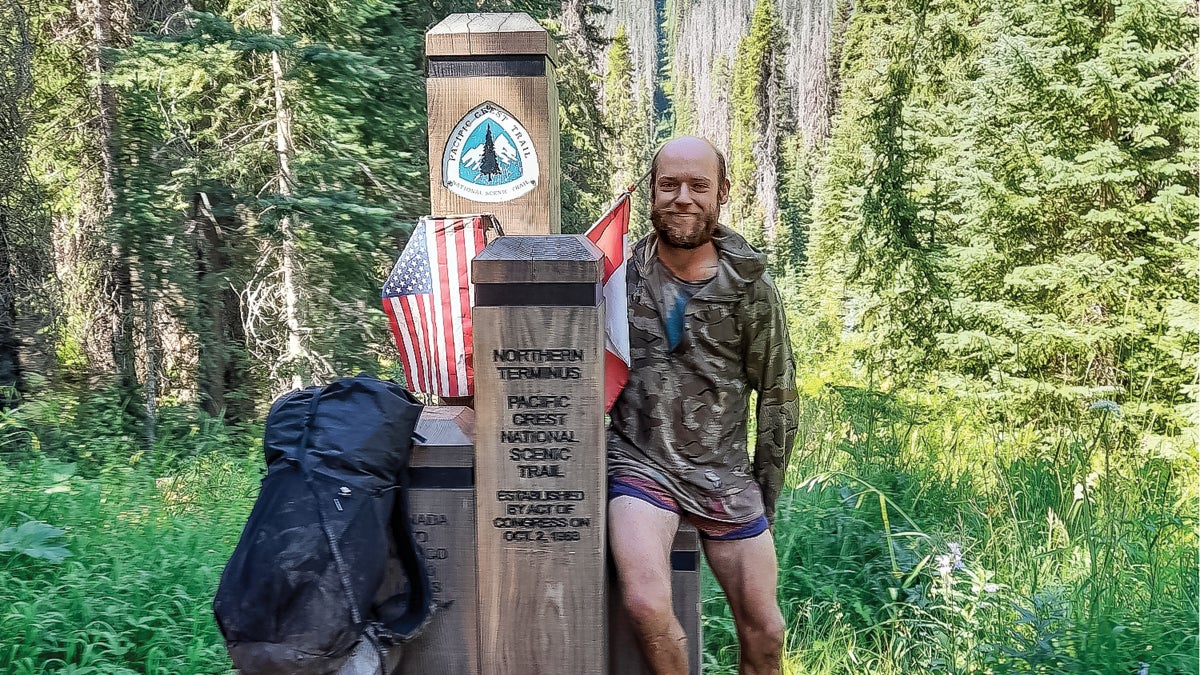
x: 991, y: 588
x: 1111, y: 407
x: 949, y: 562
x: 956, y: 555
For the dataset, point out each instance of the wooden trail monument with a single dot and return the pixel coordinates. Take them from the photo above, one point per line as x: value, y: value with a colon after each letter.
x: 539, y: 456
x: 493, y: 120
x: 509, y: 499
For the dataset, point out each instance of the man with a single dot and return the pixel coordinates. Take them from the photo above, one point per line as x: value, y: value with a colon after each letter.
x: 706, y: 326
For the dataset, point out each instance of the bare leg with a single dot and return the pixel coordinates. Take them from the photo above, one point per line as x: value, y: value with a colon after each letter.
x: 640, y: 535
x: 748, y: 573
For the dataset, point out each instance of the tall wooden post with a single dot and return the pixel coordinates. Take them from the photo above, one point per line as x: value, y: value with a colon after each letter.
x: 441, y: 499
x: 534, y: 602
x: 493, y: 121
x: 539, y: 456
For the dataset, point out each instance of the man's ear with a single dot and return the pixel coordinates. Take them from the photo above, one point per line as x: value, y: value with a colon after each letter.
x: 723, y: 193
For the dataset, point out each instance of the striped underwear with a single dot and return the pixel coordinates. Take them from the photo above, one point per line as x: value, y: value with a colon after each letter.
x: 655, y: 494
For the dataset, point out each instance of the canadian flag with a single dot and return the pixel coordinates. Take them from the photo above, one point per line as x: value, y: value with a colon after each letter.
x: 611, y: 235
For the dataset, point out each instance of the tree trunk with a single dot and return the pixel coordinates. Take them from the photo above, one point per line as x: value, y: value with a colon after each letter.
x: 118, y: 281
x: 293, y: 356
x: 224, y: 380
x: 150, y: 366
x: 10, y: 346
x: 119, y: 285
x: 16, y: 84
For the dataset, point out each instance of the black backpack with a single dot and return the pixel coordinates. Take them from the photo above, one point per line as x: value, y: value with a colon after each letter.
x: 328, y: 557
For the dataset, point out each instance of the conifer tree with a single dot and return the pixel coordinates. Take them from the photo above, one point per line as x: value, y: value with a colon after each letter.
x: 873, y: 248
x: 627, y: 129
x: 1078, y: 187
x: 487, y: 164
x: 585, y: 186
x: 754, y: 138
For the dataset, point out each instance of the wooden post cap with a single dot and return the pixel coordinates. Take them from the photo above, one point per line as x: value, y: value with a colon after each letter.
x: 479, y: 34
x: 538, y: 270
x: 446, y: 432
x: 566, y: 258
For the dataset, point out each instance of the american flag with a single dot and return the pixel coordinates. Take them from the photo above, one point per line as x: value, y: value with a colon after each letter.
x: 428, y: 299
x: 610, y: 234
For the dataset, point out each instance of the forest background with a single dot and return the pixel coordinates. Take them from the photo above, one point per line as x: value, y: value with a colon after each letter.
x: 982, y: 216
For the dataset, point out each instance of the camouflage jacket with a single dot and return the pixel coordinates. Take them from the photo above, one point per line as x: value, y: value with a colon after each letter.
x: 681, y: 419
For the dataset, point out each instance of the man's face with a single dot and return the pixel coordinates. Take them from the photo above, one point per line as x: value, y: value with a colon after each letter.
x: 686, y: 197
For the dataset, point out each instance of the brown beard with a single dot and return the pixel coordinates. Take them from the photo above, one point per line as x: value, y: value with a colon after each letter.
x: 677, y: 238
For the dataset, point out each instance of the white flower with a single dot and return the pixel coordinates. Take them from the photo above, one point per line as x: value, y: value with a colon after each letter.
x: 949, y: 562
x: 1107, y: 406
x: 956, y: 555
x: 991, y: 588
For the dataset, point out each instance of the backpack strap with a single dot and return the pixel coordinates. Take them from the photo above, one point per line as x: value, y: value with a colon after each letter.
x: 310, y: 418
x: 419, y: 605
x: 339, y: 560
x: 419, y: 602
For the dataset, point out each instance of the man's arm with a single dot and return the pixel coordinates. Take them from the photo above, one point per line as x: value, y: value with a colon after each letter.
x: 772, y: 372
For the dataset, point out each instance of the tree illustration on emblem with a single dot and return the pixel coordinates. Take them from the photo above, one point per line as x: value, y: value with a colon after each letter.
x: 488, y: 166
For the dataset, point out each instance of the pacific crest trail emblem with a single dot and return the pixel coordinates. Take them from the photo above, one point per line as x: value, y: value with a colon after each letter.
x: 489, y: 156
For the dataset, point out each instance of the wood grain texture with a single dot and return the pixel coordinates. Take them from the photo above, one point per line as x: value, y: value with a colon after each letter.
x: 541, y: 601
x: 524, y: 35
x: 625, y: 657
x: 480, y: 34
x: 449, y: 37
x: 534, y: 102
x: 444, y: 523
x: 447, y: 531
x: 538, y: 259
x: 553, y: 271
x: 484, y: 36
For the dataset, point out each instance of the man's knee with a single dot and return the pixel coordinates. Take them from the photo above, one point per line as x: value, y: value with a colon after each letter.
x: 649, y: 608
x: 763, y: 631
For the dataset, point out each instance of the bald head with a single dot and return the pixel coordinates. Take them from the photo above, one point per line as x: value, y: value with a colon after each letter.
x: 693, y: 149
x: 687, y: 188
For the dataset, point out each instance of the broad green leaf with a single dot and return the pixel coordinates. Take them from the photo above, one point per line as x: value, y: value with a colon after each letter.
x: 35, y: 539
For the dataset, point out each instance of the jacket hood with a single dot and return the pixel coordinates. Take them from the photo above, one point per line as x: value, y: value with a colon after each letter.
x: 741, y: 263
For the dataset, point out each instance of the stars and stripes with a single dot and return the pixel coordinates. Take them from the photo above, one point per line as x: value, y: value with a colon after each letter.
x: 611, y: 235
x: 428, y: 299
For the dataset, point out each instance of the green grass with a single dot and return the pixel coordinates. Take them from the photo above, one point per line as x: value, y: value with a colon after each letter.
x: 134, y: 595
x: 1077, y: 545
x: 1077, y: 542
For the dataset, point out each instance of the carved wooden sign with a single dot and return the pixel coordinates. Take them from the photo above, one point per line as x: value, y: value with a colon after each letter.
x: 539, y: 456
x: 490, y: 156
x: 442, y: 506
x: 493, y: 120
